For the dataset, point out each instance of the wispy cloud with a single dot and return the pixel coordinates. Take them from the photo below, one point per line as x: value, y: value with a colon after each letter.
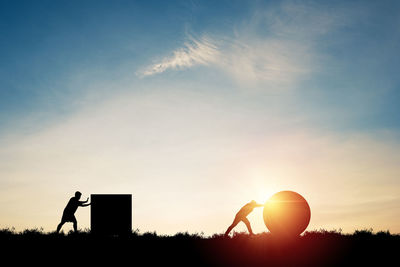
x: 194, y: 52
x: 269, y: 61
x: 279, y: 46
x: 275, y: 47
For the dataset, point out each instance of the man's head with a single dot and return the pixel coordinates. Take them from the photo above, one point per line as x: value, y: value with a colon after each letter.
x: 78, y: 194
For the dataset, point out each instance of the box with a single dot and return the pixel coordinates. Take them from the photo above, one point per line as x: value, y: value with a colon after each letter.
x: 111, y: 214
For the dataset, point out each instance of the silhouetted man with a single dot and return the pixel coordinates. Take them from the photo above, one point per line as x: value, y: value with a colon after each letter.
x: 241, y: 216
x: 69, y: 211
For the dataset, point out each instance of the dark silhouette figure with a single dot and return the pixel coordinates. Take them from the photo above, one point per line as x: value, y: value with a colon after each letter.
x: 241, y: 216
x: 70, y: 209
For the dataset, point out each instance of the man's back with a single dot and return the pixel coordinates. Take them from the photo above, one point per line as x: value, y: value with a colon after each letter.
x: 246, y: 210
x: 72, y: 206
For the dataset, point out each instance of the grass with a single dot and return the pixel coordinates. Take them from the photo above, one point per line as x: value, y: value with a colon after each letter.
x: 136, y: 234
x: 313, y: 248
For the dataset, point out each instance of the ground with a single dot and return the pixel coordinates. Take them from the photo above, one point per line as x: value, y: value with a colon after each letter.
x: 317, y: 248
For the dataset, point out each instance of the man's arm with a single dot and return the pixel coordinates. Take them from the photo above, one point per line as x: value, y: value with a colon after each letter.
x: 259, y: 205
x: 85, y: 205
x: 81, y: 203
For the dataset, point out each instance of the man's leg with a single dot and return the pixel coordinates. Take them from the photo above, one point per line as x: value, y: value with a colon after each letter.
x: 60, y: 225
x: 75, y: 225
x: 246, y: 221
x: 235, y: 222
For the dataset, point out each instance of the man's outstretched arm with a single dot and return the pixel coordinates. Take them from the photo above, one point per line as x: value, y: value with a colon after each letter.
x: 82, y: 203
x: 85, y: 205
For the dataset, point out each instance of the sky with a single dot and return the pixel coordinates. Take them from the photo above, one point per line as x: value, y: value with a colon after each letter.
x: 197, y: 107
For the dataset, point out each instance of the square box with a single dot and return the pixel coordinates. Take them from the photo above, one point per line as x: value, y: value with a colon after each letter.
x: 111, y: 214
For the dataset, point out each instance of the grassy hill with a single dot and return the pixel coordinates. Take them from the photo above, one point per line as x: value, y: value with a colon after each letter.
x: 315, y: 248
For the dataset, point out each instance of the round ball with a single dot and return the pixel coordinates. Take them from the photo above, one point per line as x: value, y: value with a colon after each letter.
x: 286, y: 214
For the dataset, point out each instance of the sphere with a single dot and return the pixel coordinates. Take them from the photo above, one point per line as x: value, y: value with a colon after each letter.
x: 286, y: 214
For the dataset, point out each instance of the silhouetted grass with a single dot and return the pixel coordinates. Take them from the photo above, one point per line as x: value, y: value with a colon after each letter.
x: 319, y: 247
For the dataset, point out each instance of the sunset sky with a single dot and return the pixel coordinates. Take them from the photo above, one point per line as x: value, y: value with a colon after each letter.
x: 197, y: 107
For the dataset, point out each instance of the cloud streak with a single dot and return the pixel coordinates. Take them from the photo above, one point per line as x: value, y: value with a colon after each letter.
x: 194, y: 52
x: 275, y: 48
x: 246, y: 59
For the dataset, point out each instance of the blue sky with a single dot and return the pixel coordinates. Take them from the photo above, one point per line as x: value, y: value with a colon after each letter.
x: 151, y: 81
x: 44, y: 44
